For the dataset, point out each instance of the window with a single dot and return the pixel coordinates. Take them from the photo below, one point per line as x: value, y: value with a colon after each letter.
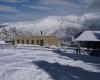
x: 32, y: 41
x: 22, y: 41
x: 17, y: 41
x: 27, y: 41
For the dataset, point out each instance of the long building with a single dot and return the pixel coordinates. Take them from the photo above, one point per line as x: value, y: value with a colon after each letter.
x: 37, y: 40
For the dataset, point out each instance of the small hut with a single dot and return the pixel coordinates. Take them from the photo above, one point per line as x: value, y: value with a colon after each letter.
x: 89, y: 39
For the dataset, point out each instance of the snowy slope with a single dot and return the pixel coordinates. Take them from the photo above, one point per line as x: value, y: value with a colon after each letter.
x: 52, y: 23
x: 48, y: 24
x: 24, y: 64
x: 64, y: 27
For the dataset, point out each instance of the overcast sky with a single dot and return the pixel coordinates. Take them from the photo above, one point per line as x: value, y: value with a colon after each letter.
x: 25, y: 10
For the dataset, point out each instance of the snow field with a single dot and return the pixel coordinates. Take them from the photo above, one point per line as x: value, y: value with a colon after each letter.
x: 24, y: 64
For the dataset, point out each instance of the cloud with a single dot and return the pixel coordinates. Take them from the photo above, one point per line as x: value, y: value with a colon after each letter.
x: 65, y: 2
x: 40, y: 7
x: 53, y: 2
x: 95, y: 6
x: 14, y: 1
x: 7, y: 9
x: 33, y: 9
x: 67, y: 6
x: 9, y: 1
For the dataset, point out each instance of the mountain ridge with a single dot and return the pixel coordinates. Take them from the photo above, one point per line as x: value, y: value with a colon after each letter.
x: 61, y: 26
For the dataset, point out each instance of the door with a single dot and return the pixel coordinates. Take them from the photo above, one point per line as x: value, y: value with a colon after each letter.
x: 41, y: 42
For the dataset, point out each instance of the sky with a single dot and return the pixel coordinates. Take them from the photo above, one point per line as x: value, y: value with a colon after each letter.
x: 27, y: 10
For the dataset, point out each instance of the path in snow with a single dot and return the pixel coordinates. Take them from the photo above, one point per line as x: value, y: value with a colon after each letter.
x: 20, y: 64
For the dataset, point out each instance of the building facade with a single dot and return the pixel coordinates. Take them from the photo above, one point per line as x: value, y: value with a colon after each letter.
x: 37, y: 40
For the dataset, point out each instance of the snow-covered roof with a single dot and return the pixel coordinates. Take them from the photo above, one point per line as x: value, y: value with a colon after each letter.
x: 89, y: 36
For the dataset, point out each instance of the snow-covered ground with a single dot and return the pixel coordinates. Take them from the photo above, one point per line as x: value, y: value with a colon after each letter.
x: 25, y: 64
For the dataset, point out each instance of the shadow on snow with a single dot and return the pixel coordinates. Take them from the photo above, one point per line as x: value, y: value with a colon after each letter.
x: 81, y: 57
x: 62, y: 72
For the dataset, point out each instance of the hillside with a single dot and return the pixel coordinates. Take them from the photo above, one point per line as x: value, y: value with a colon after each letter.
x: 62, y: 26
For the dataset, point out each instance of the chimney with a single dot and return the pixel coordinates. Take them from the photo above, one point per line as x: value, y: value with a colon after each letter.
x: 41, y: 32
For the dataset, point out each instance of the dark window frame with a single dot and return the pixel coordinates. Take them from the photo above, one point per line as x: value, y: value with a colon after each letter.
x: 41, y: 42
x: 22, y: 41
x: 18, y: 41
x: 27, y: 41
x: 37, y: 42
x: 32, y: 42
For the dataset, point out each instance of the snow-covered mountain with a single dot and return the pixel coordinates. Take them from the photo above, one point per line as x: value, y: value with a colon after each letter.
x: 52, y: 23
x: 55, y: 24
x: 47, y: 25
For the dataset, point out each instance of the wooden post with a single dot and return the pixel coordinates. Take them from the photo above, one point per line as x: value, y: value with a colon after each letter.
x: 78, y: 48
